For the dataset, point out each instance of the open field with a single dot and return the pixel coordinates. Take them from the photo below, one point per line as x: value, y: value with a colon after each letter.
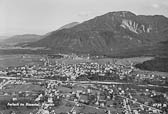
x: 23, y: 87
x: 18, y: 60
x: 106, y: 60
x: 23, y: 59
x: 12, y: 88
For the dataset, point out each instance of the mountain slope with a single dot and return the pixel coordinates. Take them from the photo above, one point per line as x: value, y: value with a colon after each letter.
x: 20, y: 40
x: 111, y: 33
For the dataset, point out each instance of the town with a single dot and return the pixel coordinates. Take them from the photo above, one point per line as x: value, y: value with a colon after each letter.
x: 85, y: 87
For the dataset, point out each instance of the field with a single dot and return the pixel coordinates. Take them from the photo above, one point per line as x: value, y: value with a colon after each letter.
x: 124, y: 61
x: 18, y: 60
x: 23, y: 59
x: 23, y: 87
x: 11, y: 88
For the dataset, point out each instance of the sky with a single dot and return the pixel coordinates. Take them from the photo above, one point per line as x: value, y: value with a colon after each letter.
x: 42, y: 16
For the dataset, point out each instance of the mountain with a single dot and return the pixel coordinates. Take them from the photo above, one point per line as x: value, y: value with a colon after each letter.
x: 3, y: 38
x: 67, y: 26
x: 114, y: 33
x: 22, y: 39
x: 70, y: 25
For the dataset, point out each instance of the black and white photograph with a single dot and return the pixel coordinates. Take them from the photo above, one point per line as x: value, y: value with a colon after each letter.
x: 83, y: 56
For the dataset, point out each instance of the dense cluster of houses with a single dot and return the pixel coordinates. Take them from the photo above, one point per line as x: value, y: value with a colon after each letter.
x: 62, y: 86
x: 102, y: 97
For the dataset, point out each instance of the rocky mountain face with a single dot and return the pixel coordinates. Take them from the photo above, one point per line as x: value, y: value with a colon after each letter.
x: 112, y: 33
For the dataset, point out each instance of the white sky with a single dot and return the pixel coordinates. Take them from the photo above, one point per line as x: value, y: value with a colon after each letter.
x: 42, y: 16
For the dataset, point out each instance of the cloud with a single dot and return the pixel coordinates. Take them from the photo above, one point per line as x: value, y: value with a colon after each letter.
x: 84, y: 14
x: 156, y: 6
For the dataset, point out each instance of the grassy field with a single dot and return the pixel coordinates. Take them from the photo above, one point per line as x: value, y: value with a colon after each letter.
x: 23, y: 59
x: 18, y: 60
x: 25, y: 87
x: 104, y: 60
x: 11, y: 88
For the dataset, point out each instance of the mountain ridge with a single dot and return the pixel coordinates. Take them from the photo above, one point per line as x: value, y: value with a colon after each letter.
x: 20, y: 40
x: 70, y: 25
x: 16, y: 39
x: 108, y: 33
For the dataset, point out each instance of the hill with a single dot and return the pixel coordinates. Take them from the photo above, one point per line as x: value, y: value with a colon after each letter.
x: 21, y: 39
x: 160, y: 62
x: 3, y: 37
x: 157, y: 64
x: 114, y: 33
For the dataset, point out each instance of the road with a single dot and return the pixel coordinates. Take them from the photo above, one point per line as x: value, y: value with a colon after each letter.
x: 83, y: 82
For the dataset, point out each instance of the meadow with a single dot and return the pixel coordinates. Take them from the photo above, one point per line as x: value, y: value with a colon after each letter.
x: 18, y: 60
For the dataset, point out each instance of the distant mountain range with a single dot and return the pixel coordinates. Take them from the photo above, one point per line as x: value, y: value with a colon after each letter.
x: 114, y: 33
x: 25, y: 38
x: 17, y: 39
x: 3, y: 37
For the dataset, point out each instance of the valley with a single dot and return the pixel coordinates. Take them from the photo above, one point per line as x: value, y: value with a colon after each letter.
x: 115, y: 63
